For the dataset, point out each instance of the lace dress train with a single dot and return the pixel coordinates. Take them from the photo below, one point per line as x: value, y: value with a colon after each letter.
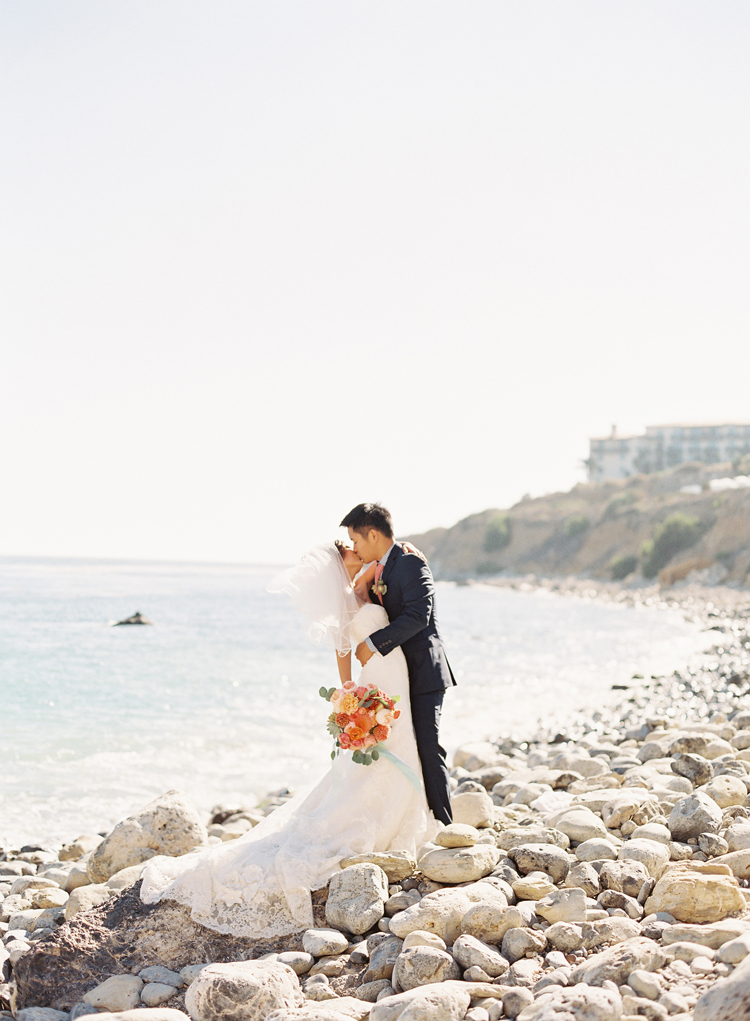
x: 260, y: 884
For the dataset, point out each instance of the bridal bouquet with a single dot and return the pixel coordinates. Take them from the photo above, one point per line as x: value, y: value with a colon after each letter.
x: 361, y: 720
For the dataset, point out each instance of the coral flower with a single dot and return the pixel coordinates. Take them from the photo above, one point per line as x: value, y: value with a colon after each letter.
x: 355, y: 733
x: 381, y: 733
x: 369, y: 741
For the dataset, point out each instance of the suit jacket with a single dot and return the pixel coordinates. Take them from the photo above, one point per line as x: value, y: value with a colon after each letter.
x: 409, y: 601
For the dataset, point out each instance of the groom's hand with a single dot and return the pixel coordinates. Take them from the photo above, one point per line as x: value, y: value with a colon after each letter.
x: 363, y: 652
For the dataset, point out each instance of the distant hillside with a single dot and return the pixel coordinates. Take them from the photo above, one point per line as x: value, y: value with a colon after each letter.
x: 637, y: 527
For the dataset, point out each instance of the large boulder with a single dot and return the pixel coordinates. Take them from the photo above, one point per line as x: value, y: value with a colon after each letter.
x: 242, y: 991
x: 169, y: 825
x: 356, y: 898
x: 691, y: 894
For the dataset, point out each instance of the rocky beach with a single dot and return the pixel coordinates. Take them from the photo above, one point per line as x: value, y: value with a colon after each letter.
x: 599, y: 870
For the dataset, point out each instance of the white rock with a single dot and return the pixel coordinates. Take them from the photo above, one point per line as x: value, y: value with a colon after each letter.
x: 651, y: 853
x: 473, y: 808
x: 324, y: 942
x: 443, y: 1001
x: 579, y: 824
x: 475, y: 755
x: 397, y: 865
x: 595, y: 850
x: 581, y: 1002
x: 471, y: 952
x: 624, y: 805
x: 120, y: 992
x: 726, y: 790
x: 422, y: 938
x: 125, y: 877
x: 154, y: 994
x: 568, y: 905
x: 86, y: 897
x: 440, y: 912
x: 457, y: 835
x: 693, y: 815
x: 356, y: 898
x: 168, y: 825
x: 728, y: 999
x: 617, y: 963
x: 419, y: 966
x: 459, y: 864
x: 242, y: 991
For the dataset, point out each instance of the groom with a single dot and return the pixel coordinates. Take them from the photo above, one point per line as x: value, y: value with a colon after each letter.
x: 404, y: 586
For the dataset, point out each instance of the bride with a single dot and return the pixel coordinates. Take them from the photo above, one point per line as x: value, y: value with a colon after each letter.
x: 260, y: 884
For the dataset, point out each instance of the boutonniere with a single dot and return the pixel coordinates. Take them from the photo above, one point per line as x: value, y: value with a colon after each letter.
x: 380, y: 588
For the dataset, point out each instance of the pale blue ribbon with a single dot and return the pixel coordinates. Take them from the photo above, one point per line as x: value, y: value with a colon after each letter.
x: 405, y: 768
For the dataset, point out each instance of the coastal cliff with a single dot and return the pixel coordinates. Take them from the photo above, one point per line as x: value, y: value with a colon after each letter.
x: 671, y: 525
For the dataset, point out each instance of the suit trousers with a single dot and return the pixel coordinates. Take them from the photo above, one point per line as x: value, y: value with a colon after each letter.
x: 425, y: 711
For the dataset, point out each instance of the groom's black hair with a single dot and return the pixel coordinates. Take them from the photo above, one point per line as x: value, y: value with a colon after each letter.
x: 365, y: 516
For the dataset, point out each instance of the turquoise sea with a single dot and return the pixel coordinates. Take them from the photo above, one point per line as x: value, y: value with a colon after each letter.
x: 220, y: 697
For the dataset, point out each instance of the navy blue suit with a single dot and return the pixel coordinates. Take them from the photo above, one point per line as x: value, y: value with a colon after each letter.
x: 409, y: 601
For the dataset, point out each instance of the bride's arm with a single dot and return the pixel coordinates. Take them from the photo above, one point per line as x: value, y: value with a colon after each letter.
x: 344, y: 664
x: 364, y: 581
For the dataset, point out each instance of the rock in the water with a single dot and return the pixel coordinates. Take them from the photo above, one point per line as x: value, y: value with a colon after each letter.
x: 689, y: 895
x: 356, y: 897
x: 242, y: 991
x: 695, y: 814
x: 136, y: 618
x: 459, y: 864
x: 419, y: 966
x: 168, y: 825
x: 728, y: 999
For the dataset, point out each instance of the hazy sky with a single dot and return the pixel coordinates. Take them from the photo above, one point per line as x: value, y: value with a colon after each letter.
x: 263, y: 260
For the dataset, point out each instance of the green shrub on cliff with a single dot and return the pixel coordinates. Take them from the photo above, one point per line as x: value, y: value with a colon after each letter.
x: 675, y: 533
x: 497, y: 535
x: 576, y: 525
x: 622, y: 566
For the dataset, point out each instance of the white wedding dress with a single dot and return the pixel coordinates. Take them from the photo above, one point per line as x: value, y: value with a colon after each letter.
x: 259, y: 885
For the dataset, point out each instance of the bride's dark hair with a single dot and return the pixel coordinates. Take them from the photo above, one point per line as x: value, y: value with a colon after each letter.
x: 339, y: 546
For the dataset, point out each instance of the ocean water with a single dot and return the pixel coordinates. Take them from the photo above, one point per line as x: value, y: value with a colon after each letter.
x: 220, y: 697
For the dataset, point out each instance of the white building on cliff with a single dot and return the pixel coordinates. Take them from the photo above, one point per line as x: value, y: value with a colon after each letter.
x: 663, y: 446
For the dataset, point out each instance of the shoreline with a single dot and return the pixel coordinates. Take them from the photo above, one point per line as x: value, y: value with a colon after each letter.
x: 698, y: 604
x: 512, y: 775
